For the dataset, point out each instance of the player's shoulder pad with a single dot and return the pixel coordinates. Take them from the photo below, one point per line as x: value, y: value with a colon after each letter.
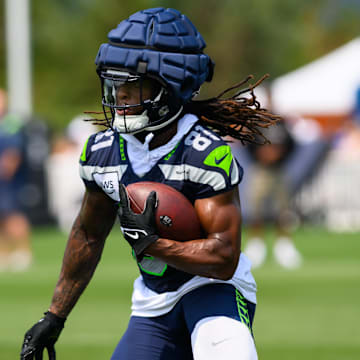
x: 96, y: 147
x: 206, y: 150
x: 99, y: 163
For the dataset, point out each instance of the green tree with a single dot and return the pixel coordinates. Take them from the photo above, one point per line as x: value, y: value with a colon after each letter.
x: 243, y: 37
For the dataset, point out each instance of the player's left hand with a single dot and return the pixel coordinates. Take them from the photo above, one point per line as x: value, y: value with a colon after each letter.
x: 139, y: 230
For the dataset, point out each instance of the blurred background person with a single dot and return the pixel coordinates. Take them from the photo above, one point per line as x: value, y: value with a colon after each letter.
x: 269, y: 199
x: 15, y: 251
x: 277, y: 172
x: 65, y: 188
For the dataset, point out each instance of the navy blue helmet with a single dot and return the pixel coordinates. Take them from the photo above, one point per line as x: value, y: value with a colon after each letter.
x: 159, y: 44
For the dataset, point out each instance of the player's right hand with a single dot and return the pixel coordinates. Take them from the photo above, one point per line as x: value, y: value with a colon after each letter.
x: 139, y: 230
x: 42, y: 335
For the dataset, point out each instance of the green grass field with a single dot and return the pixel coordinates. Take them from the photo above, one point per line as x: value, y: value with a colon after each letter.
x: 310, y: 313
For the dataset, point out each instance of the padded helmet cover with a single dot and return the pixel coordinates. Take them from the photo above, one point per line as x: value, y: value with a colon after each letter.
x: 163, y: 44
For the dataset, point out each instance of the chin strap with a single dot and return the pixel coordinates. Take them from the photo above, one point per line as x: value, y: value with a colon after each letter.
x: 167, y: 122
x: 132, y: 124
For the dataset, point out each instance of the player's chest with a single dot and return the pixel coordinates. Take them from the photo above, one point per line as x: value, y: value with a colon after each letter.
x: 174, y: 173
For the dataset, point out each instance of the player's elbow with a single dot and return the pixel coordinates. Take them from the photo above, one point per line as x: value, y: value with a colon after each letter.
x: 227, y: 272
x: 227, y: 266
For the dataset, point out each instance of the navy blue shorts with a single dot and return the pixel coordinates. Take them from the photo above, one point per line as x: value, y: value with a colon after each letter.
x: 169, y: 336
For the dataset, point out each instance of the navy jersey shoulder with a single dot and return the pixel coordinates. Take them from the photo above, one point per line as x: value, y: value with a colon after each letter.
x: 100, y: 163
x: 202, y: 165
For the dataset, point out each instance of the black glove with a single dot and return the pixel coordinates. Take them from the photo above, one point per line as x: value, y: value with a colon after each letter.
x: 42, y: 335
x: 139, y: 230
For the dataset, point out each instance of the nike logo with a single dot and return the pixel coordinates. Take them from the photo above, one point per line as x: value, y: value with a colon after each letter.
x: 180, y: 172
x: 133, y: 236
x: 218, y: 161
x: 185, y: 173
x: 214, y: 343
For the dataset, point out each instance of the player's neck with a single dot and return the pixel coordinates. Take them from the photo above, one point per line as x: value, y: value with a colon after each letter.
x: 161, y: 136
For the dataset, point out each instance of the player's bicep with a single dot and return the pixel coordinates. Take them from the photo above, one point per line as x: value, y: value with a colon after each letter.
x: 97, y: 214
x: 220, y: 217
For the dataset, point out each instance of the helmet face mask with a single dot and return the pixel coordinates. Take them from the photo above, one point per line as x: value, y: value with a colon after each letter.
x: 135, y: 102
x: 112, y: 83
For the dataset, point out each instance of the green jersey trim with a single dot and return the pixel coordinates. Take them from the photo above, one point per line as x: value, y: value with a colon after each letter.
x: 170, y: 154
x: 242, y: 309
x: 83, y: 154
x: 122, y: 150
x: 220, y: 157
x: 152, y: 266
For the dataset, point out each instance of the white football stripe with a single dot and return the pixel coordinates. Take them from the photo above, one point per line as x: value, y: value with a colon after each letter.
x: 194, y: 174
x: 234, y: 173
x: 102, y: 144
x: 87, y: 171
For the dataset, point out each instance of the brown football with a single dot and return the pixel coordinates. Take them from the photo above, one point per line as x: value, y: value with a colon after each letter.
x: 176, y: 218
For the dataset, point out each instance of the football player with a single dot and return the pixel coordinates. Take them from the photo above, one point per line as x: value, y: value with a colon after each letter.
x: 194, y: 299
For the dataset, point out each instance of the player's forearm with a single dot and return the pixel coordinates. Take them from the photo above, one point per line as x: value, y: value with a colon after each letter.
x: 81, y: 257
x: 212, y: 257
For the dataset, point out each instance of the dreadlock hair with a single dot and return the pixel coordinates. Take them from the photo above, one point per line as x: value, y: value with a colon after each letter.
x: 238, y: 116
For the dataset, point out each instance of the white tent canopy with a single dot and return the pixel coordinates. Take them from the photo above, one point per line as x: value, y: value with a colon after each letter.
x: 327, y: 85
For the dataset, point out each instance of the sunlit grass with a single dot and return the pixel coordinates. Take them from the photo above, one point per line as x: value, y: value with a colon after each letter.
x: 309, y: 313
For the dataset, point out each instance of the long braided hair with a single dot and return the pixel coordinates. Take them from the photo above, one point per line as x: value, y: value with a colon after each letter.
x: 238, y: 116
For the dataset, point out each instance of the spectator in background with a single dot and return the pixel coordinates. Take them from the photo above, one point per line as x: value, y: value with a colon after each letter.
x: 65, y: 188
x: 269, y: 196
x: 15, y: 252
